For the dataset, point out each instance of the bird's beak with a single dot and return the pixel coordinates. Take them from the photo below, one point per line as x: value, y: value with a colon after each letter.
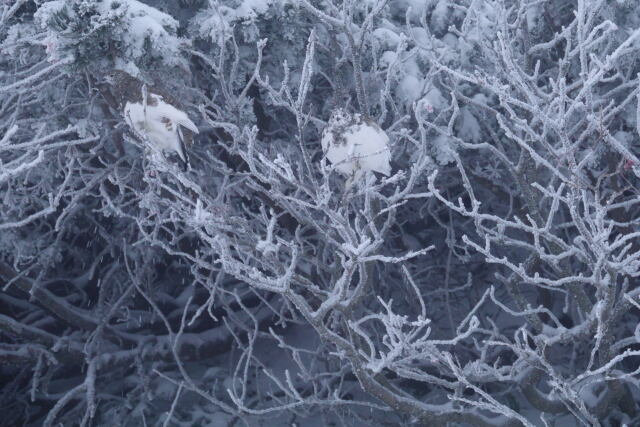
x: 107, y: 80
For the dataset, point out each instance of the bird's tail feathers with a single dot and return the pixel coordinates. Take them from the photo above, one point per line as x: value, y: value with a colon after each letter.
x: 182, y: 151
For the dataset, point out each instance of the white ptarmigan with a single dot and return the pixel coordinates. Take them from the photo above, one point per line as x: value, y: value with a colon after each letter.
x: 355, y: 144
x: 159, y: 120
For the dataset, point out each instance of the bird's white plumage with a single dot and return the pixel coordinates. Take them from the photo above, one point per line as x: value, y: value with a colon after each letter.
x: 160, y: 123
x: 354, y: 145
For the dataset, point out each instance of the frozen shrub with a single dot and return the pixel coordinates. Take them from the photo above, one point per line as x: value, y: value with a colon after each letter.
x: 484, y: 273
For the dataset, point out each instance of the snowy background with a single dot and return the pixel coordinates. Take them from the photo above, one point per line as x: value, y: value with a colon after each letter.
x: 397, y: 212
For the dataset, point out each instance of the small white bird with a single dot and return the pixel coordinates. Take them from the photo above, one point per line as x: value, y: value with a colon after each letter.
x: 152, y: 115
x: 354, y: 145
